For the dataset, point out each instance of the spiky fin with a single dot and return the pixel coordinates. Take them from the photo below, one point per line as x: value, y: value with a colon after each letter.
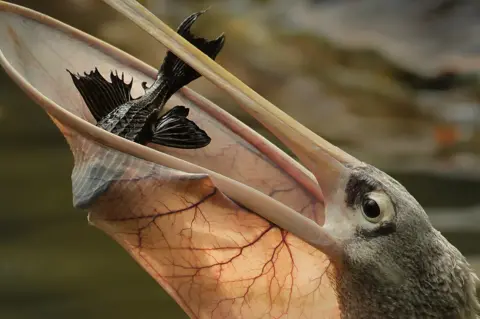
x: 101, y: 96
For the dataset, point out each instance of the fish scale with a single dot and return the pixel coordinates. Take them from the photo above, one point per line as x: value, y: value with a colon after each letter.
x: 116, y: 111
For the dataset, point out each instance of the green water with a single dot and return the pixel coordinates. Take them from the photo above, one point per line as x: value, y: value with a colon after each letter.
x: 53, y: 264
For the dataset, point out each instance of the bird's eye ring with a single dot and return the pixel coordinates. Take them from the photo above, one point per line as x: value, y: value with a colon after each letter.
x: 371, y: 210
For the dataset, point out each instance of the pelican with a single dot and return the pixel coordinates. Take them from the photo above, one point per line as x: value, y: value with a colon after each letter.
x: 238, y: 229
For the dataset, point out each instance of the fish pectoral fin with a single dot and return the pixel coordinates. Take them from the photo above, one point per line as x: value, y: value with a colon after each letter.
x: 102, y: 96
x: 178, y: 71
x: 173, y: 129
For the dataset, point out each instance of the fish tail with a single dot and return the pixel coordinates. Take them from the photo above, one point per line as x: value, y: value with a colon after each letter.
x: 177, y: 73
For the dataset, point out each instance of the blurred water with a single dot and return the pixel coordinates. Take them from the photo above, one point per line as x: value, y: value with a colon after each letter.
x: 53, y: 265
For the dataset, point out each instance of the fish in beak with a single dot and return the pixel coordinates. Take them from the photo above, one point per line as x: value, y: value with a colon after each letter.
x: 224, y: 229
x: 236, y: 229
x: 139, y: 119
x: 330, y: 165
x: 374, y: 232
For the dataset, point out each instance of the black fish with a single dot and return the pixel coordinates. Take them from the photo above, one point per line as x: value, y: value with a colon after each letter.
x: 139, y: 120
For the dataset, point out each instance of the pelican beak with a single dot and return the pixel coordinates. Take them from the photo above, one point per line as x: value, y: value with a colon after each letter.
x: 330, y: 165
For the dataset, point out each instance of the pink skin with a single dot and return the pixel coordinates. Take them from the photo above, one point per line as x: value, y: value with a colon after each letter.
x: 176, y: 217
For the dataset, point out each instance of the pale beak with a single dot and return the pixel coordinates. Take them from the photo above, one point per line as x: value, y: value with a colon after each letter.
x: 329, y: 164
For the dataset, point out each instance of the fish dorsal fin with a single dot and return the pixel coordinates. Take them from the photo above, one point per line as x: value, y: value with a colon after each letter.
x: 173, y: 129
x: 102, y: 96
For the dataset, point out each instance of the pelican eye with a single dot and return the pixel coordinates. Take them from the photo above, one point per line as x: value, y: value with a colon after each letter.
x: 371, y: 210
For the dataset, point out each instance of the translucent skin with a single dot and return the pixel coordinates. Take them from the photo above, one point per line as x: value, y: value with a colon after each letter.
x: 216, y: 258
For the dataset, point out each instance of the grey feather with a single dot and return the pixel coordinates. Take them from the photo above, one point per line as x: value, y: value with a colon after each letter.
x: 409, y: 271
